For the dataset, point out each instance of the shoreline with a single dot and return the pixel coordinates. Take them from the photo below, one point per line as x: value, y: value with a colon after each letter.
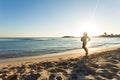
x: 53, y: 57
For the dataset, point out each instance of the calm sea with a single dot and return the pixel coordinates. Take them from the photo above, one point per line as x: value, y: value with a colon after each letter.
x: 19, y: 47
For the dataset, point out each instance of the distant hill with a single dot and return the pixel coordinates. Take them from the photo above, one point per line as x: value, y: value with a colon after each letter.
x: 68, y: 37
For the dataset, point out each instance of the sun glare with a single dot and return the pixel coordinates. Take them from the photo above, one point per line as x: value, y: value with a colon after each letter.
x: 90, y: 28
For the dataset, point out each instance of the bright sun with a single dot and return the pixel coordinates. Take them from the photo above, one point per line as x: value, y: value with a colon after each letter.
x: 90, y: 28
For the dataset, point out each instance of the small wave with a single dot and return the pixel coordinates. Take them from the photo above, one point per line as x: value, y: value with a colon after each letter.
x: 40, y: 39
x: 15, y: 39
x: 99, y: 45
x: 104, y: 44
x: 21, y: 39
x: 26, y: 39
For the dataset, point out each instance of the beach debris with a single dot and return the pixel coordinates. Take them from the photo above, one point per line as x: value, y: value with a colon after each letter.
x: 57, y: 76
x: 31, y: 76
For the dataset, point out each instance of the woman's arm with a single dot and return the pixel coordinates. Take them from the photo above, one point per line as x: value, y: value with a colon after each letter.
x: 89, y: 39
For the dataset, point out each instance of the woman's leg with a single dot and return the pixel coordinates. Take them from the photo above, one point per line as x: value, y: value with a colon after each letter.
x: 85, y: 48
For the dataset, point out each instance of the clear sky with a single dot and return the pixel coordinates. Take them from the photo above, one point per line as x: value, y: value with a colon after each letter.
x: 42, y: 18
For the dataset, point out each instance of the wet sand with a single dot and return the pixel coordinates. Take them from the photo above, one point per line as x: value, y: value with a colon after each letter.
x: 103, y: 64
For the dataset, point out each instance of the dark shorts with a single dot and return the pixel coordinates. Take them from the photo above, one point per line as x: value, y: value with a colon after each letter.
x: 84, y: 45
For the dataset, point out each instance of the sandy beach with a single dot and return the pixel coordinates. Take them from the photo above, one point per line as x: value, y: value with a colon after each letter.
x: 102, y: 64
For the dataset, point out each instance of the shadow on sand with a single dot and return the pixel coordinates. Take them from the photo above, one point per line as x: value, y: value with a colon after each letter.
x: 103, y: 66
x: 100, y: 66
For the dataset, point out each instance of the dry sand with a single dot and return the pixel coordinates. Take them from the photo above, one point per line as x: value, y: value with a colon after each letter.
x: 102, y: 64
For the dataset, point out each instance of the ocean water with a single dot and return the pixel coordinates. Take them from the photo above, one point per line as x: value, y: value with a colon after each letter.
x: 19, y: 47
